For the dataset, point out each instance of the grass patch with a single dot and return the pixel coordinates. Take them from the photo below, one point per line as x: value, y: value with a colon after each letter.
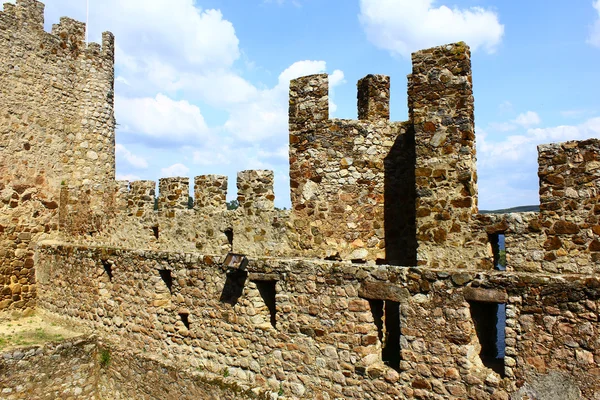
x: 28, y: 338
x: 104, y: 358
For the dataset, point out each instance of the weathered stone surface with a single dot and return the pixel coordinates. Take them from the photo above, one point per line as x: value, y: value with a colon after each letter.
x: 383, y: 291
x: 485, y: 295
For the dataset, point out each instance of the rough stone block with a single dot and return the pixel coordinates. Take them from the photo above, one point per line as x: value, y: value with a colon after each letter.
x: 383, y: 291
x: 485, y: 295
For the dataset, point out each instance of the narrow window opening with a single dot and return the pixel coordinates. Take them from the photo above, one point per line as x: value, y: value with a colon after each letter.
x: 490, y: 323
x: 498, y: 250
x: 108, y: 269
x: 155, y: 231
x: 267, y: 292
x: 386, y: 316
x: 185, y: 319
x: 165, y: 275
x: 234, y: 286
x: 229, y: 233
x: 391, y: 350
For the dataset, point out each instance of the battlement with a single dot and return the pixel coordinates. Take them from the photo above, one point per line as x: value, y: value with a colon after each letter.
x: 255, y: 193
x: 29, y: 13
x: 67, y: 37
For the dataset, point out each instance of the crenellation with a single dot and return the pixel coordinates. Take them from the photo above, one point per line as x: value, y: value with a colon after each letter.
x: 173, y: 193
x: 122, y: 196
x: 210, y: 193
x: 309, y: 100
x: 255, y: 190
x: 30, y: 12
x: 141, y: 197
x: 374, y: 98
x: 71, y: 33
x: 108, y: 45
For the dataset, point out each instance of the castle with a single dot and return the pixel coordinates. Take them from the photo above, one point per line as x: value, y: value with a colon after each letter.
x: 379, y: 283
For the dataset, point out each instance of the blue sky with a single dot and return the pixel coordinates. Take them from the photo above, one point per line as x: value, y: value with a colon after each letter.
x: 201, y: 86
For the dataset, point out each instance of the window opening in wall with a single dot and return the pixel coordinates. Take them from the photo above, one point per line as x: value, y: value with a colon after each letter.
x: 498, y: 250
x: 386, y: 316
x: 108, y: 269
x: 155, y: 231
x: 267, y: 292
x: 234, y: 286
x: 185, y: 320
x: 165, y: 275
x: 490, y: 323
x: 229, y: 233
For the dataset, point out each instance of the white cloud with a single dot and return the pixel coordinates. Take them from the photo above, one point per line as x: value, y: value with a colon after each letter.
x: 594, y: 38
x: 132, y: 159
x: 403, y: 26
x: 265, y: 115
x: 527, y: 119
x: 174, y: 171
x: 127, y: 177
x: 508, y: 167
x: 160, y: 118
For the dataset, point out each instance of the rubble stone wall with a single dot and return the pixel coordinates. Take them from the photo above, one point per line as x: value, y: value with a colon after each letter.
x: 338, y: 171
x: 64, y: 370
x: 324, y: 330
x: 123, y: 214
x: 569, y: 191
x: 56, y: 126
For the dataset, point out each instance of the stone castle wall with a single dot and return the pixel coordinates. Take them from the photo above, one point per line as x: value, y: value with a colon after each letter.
x: 56, y: 126
x: 325, y: 330
x: 314, y: 316
x: 75, y: 369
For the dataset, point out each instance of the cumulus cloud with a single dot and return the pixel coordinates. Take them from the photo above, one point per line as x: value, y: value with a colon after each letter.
x: 403, y: 26
x: 527, y: 119
x: 594, y: 38
x: 128, y: 177
x: 129, y: 157
x: 174, y: 170
x: 265, y: 114
x: 161, y: 118
x: 507, y: 168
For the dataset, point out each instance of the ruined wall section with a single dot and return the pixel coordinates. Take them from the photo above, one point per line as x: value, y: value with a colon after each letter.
x: 326, y: 336
x: 440, y: 98
x: 338, y: 169
x: 569, y: 192
x: 131, y: 215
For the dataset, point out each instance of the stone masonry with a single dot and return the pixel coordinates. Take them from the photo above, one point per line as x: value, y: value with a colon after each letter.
x: 379, y: 283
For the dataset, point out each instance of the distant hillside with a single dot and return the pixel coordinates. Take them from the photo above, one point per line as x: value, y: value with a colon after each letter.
x: 511, y: 210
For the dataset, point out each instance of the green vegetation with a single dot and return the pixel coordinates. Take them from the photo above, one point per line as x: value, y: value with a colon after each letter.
x: 233, y: 204
x: 104, y: 358
x: 535, y: 208
x: 28, y: 338
x: 225, y: 372
x: 502, y: 258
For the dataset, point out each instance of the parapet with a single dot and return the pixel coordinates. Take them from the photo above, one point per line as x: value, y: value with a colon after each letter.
x: 255, y: 190
x: 210, y: 193
x: 173, y: 193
